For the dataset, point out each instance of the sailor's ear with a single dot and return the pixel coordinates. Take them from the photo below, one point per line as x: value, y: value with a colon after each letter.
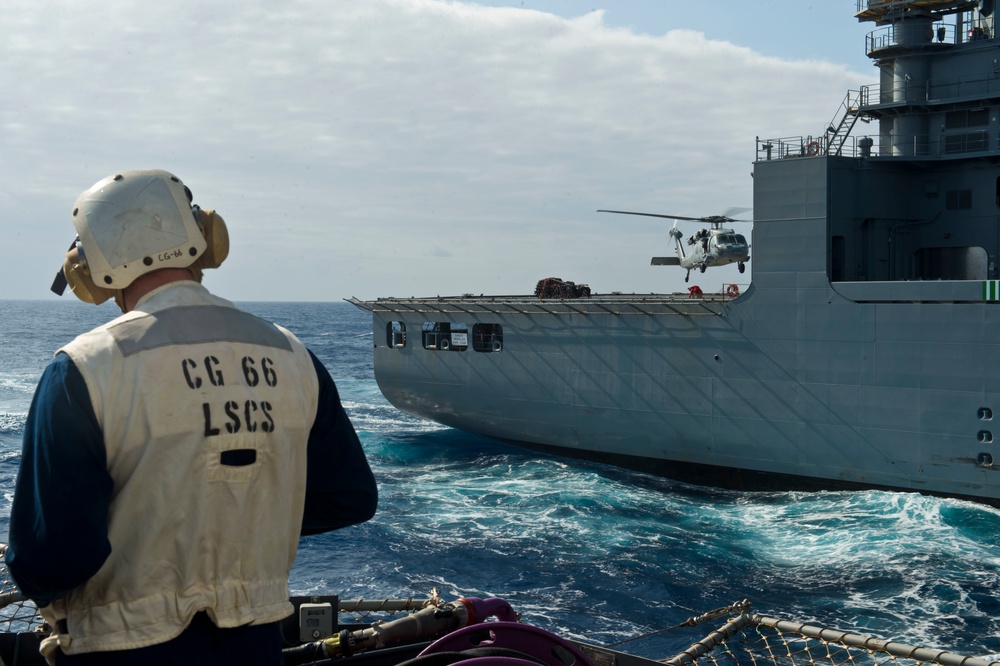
x: 213, y: 227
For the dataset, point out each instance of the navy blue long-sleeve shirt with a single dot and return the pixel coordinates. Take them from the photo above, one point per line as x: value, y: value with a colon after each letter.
x: 59, y: 518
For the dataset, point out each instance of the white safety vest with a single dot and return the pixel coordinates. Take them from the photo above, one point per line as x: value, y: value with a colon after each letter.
x: 206, y: 412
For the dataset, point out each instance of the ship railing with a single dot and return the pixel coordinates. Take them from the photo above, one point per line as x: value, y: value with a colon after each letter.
x: 19, y: 614
x: 757, y: 639
x: 790, y: 146
x: 961, y: 142
x: 732, y: 290
x: 932, y: 91
x: 953, y: 144
x: 888, y: 37
x: 813, y: 146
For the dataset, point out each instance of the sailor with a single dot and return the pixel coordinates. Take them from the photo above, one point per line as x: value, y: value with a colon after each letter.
x: 173, y: 457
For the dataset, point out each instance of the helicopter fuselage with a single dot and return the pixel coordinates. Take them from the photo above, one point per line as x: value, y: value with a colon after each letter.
x: 708, y: 247
x: 713, y: 247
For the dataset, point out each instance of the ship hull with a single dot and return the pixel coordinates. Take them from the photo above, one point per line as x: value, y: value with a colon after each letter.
x: 814, y: 390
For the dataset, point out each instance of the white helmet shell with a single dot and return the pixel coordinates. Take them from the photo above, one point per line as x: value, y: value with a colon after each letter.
x: 136, y: 222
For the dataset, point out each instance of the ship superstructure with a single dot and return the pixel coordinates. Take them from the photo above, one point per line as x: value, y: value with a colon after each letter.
x: 865, y: 352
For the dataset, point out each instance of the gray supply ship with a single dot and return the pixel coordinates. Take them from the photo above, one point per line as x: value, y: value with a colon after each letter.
x: 865, y: 352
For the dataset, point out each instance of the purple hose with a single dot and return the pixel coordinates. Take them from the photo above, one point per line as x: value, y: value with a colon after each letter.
x: 532, y: 642
x: 480, y: 609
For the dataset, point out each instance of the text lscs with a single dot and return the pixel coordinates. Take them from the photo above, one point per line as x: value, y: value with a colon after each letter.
x: 231, y: 415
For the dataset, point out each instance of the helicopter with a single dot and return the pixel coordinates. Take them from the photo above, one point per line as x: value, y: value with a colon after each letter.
x: 716, y: 246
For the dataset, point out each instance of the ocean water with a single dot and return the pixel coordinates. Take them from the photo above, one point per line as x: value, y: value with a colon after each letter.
x: 584, y: 550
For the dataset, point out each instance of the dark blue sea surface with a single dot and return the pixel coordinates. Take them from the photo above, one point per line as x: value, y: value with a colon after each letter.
x: 584, y: 550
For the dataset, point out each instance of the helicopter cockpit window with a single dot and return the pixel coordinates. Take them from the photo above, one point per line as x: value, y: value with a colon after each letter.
x: 445, y: 336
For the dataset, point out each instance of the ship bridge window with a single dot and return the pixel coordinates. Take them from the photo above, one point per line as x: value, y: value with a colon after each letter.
x: 395, y: 334
x: 967, y: 118
x: 487, y: 337
x: 445, y: 336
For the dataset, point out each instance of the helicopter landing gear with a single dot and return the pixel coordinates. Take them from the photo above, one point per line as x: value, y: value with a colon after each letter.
x: 741, y: 266
x: 687, y: 276
x: 703, y: 267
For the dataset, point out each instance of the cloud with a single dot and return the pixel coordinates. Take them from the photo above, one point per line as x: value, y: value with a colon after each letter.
x: 347, y: 143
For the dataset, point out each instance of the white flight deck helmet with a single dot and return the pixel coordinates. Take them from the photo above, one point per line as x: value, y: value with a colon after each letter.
x: 133, y: 223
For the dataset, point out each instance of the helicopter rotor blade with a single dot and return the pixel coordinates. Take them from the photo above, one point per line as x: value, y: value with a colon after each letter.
x: 671, y: 217
x: 736, y: 211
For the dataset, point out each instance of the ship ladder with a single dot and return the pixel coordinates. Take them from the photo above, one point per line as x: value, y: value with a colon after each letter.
x: 849, y: 112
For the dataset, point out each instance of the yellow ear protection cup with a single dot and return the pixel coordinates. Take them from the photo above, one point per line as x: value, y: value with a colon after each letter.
x: 213, y: 227
x: 77, y: 276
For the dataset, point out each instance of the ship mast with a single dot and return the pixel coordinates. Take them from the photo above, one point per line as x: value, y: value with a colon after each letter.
x: 916, y: 87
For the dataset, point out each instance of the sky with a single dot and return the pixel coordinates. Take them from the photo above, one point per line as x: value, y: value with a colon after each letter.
x: 413, y: 147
